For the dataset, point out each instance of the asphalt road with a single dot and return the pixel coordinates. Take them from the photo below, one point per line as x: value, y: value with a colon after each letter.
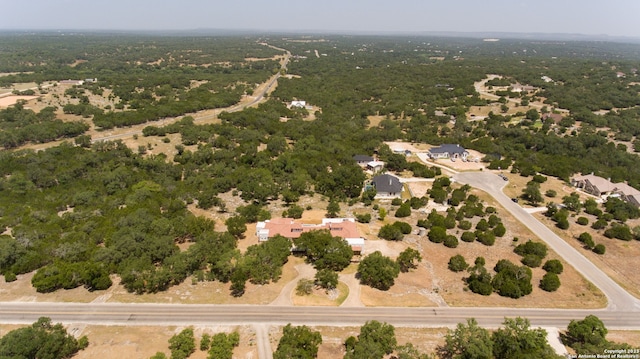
x: 191, y: 314
x: 618, y: 298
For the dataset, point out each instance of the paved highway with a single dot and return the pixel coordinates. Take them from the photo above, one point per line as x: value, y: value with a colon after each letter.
x: 618, y: 298
x: 191, y: 314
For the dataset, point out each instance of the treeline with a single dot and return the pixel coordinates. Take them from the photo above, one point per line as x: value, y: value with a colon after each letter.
x: 19, y: 126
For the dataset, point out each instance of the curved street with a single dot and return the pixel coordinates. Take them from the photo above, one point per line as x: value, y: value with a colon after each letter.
x: 618, y: 298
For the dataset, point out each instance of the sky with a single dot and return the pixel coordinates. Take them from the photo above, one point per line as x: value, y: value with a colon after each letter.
x: 588, y: 17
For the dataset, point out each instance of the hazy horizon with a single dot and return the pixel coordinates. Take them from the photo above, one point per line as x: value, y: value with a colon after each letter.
x: 615, y: 18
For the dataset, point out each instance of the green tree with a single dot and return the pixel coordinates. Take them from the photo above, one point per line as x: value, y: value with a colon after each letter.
x: 304, y: 286
x: 532, y: 192
x: 41, y: 340
x: 236, y: 226
x: 585, y: 334
x: 550, y: 282
x: 298, y: 342
x: 375, y: 340
x: 404, y: 210
x: 407, y: 259
x: 333, y: 208
x: 457, y: 263
x: 390, y: 233
x: 222, y: 345
x: 205, y: 342
x: 437, y: 234
x: 553, y: 266
x: 517, y: 340
x: 324, y: 250
x: 326, y: 278
x: 182, y: 344
x: 378, y: 271
x: 468, y: 341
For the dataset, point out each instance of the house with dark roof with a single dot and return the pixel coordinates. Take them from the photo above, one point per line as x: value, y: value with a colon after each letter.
x: 362, y: 160
x: 387, y: 186
x: 448, y: 151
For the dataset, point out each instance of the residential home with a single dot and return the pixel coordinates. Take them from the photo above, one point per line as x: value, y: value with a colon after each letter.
x: 375, y: 166
x: 555, y: 117
x: 387, y: 186
x: 298, y: 104
x: 604, y: 188
x: 345, y: 228
x: 448, y: 151
x: 362, y: 160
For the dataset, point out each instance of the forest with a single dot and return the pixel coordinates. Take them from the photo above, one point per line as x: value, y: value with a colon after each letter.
x: 81, y: 211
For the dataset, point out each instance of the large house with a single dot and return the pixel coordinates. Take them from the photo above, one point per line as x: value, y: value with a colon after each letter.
x: 338, y: 227
x: 448, y: 151
x: 387, y: 186
x: 604, y: 188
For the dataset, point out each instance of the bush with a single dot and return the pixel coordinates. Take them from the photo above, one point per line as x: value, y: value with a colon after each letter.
x: 390, y: 233
x: 583, y: 221
x: 619, y: 231
x: 451, y: 241
x: 486, y: 238
x: 437, y: 234
x: 10, y: 277
x: 404, y: 227
x: 396, y: 202
x: 363, y: 218
x: 551, y: 193
x: 539, y: 178
x: 304, y: 287
x: 499, y: 230
x: 531, y: 260
x: 600, y: 224
x: 482, y: 225
x: 599, y: 249
x: 553, y: 266
x: 403, y: 211
x: 550, y: 282
x: 464, y: 225
x: 531, y: 247
x: 468, y: 237
x: 457, y: 263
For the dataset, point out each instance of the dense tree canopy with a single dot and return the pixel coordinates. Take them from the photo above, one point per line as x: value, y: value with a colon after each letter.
x: 41, y: 340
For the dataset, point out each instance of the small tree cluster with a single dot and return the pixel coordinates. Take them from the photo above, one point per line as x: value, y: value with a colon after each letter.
x: 378, y: 271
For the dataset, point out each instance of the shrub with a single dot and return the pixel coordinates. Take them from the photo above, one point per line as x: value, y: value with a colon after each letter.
x: 396, y: 202
x: 553, y: 266
x: 499, y: 230
x: 600, y: 224
x: 599, y: 249
x: 437, y: 234
x: 403, y: 211
x: 468, y: 237
x: 363, y: 218
x: 304, y: 287
x: 464, y: 225
x: 539, y: 178
x: 451, y: 242
x: 550, y: 282
x: 619, y: 231
x: 531, y: 260
x: 482, y: 225
x: 583, y: 221
x: 404, y: 227
x: 10, y: 277
x: 486, y: 238
x: 457, y: 263
x: 390, y: 233
x: 551, y: 193
x: 531, y: 247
